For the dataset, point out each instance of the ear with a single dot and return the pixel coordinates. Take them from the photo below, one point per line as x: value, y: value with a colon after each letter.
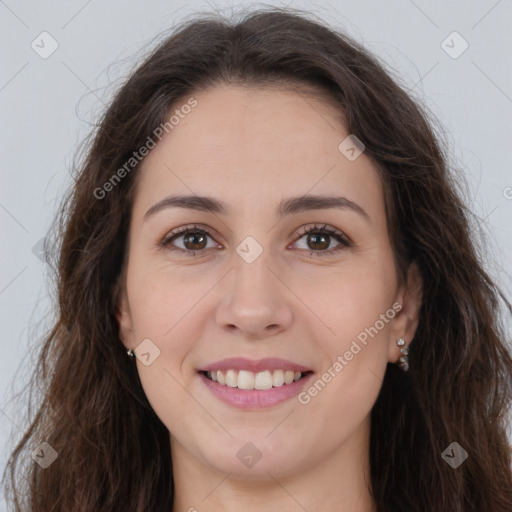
x: 124, y: 320
x: 405, y: 322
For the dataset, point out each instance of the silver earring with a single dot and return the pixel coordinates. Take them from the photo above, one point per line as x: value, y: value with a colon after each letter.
x: 130, y: 352
x: 404, y: 358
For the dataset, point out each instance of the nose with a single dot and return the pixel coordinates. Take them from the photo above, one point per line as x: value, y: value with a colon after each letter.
x: 255, y: 301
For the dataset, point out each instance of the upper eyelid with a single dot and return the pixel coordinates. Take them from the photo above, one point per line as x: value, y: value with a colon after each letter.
x: 183, y: 230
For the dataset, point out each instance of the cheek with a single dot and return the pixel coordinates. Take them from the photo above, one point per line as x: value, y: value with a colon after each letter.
x: 161, y: 309
x: 349, y: 300
x: 357, y: 308
x: 164, y: 309
x: 356, y: 312
x: 161, y: 299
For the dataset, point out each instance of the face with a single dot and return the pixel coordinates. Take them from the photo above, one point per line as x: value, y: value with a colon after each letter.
x: 281, y: 286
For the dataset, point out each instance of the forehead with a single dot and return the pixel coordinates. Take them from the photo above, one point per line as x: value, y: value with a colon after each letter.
x: 253, y: 146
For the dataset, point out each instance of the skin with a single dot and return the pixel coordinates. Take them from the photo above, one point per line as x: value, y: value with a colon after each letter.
x: 252, y: 147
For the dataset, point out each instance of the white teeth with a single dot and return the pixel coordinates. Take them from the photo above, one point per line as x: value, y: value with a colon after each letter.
x: 263, y: 380
x: 244, y: 379
x: 288, y: 377
x: 231, y: 379
x: 278, y: 378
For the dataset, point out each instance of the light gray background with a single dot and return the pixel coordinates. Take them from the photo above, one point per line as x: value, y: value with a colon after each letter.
x: 47, y: 106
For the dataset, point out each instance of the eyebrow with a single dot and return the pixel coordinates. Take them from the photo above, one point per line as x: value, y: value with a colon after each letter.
x: 286, y: 207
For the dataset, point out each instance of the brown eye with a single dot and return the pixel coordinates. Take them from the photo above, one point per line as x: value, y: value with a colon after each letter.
x: 188, y: 240
x: 194, y: 240
x: 318, y: 239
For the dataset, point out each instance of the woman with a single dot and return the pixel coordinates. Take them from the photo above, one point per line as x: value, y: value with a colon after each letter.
x: 269, y: 296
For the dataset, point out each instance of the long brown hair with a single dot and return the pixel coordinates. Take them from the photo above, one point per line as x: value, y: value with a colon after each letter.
x: 113, y: 451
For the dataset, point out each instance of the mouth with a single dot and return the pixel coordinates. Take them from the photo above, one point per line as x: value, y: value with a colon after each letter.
x: 254, y: 385
x: 260, y: 381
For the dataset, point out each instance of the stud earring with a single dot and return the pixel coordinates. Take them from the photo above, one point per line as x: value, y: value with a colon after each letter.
x: 130, y: 352
x: 404, y: 358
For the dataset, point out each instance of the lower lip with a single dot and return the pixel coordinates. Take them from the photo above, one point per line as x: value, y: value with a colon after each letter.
x: 254, y: 398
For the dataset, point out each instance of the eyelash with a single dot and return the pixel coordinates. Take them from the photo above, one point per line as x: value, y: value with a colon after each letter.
x: 323, y: 229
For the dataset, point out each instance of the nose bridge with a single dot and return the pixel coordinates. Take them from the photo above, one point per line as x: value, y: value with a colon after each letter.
x: 253, y: 282
x: 255, y: 300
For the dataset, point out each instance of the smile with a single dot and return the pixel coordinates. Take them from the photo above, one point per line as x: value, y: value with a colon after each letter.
x: 247, y: 380
x: 251, y: 398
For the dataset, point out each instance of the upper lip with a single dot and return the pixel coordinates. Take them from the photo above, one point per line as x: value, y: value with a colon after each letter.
x: 242, y: 363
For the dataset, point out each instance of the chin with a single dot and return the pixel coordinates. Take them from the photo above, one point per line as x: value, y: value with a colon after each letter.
x: 257, y: 460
